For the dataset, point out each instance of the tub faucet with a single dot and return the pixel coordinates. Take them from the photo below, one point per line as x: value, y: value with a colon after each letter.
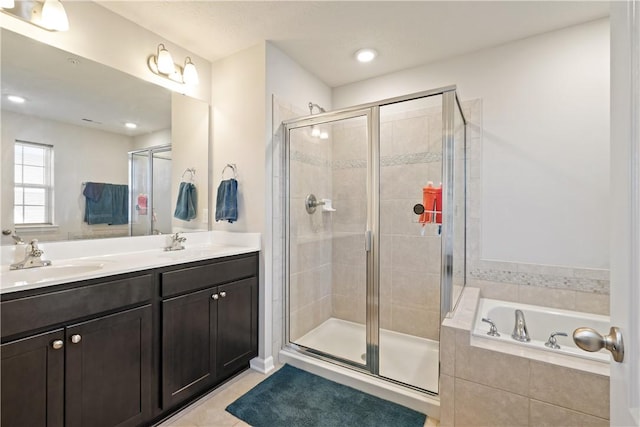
x: 31, y: 258
x: 520, y: 329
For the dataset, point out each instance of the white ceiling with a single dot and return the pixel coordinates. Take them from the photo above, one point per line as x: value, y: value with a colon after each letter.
x: 323, y: 35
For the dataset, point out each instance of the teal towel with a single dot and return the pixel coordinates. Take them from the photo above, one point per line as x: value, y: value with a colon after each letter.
x: 227, y: 201
x: 106, y: 203
x: 187, y: 204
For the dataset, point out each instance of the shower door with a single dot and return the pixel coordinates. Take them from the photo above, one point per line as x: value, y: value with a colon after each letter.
x: 328, y: 164
x: 369, y: 280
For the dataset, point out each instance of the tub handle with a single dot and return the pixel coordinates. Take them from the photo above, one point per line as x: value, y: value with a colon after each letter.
x: 493, y: 330
x: 552, y: 342
x: 589, y: 339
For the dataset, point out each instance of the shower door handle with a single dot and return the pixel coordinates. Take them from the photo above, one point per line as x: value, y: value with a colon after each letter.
x: 367, y: 240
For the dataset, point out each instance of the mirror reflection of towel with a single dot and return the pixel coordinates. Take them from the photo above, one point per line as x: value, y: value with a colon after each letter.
x: 187, y: 203
x: 106, y: 203
x: 227, y: 201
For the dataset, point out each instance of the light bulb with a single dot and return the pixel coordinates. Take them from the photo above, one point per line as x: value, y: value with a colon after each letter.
x: 165, y: 61
x: 366, y: 55
x: 324, y: 135
x: 190, y: 74
x: 315, y: 131
x: 54, y: 16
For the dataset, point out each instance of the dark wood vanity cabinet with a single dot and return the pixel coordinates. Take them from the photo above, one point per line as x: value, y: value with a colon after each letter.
x: 210, y: 334
x: 92, y: 372
x: 104, y: 352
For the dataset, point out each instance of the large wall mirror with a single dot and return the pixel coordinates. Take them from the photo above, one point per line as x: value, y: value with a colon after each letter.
x: 90, y: 141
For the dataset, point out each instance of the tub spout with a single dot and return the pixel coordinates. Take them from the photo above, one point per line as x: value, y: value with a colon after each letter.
x: 520, y: 332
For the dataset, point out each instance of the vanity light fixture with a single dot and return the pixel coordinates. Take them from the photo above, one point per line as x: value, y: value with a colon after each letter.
x: 315, y: 131
x: 366, y: 55
x: 130, y: 125
x: 16, y: 99
x: 162, y: 64
x: 47, y: 14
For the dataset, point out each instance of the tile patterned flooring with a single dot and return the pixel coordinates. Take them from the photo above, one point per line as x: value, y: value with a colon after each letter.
x: 209, y: 411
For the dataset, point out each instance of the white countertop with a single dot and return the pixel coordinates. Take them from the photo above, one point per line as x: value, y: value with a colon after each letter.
x: 88, y: 259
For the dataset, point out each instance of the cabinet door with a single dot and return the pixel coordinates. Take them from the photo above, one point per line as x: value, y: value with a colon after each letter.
x: 188, y: 345
x: 108, y: 370
x: 33, y: 381
x: 237, y: 325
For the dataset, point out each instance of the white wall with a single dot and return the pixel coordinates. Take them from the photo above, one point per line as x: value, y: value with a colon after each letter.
x: 286, y: 82
x: 545, y: 141
x: 152, y: 139
x: 94, y: 155
x: 105, y: 37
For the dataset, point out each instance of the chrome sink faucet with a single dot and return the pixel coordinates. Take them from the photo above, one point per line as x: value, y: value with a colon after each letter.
x: 32, y: 257
x: 520, y: 332
x: 176, y: 243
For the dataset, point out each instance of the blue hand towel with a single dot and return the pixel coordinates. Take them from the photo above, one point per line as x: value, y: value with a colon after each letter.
x: 106, y: 203
x: 227, y: 201
x: 187, y: 204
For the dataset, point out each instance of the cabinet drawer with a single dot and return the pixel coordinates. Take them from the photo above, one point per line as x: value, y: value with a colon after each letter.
x: 193, y: 278
x: 30, y: 313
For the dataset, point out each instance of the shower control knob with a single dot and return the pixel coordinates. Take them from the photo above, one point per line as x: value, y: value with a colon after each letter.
x: 589, y: 339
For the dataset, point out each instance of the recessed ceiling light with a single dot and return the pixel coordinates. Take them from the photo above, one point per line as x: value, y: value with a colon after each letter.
x: 366, y: 55
x: 15, y: 98
x: 131, y: 125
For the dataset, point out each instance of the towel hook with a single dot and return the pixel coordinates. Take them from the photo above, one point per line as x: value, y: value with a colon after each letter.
x: 192, y: 172
x: 233, y: 168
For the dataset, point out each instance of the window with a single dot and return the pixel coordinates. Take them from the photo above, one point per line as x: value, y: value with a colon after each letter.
x: 33, y: 177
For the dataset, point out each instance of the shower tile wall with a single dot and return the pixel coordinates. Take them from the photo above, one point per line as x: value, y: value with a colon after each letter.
x: 411, y: 148
x: 411, y: 155
x: 349, y: 176
x: 310, y: 263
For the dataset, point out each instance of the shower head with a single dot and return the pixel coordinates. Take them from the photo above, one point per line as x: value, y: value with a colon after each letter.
x: 311, y: 105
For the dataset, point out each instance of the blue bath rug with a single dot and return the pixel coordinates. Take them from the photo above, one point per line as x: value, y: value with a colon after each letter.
x: 295, y: 398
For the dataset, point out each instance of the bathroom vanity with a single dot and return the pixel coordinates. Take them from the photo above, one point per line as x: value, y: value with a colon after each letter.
x: 127, y: 349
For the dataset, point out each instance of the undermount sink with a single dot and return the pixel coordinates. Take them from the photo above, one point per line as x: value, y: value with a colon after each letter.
x: 51, y: 272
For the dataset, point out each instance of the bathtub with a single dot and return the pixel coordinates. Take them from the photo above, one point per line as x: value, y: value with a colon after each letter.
x: 541, y: 322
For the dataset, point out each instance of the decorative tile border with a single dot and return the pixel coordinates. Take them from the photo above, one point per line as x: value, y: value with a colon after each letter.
x: 582, y: 284
x: 397, y: 160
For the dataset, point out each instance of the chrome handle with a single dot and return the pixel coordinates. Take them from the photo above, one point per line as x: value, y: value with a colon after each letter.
x: 223, y: 294
x: 493, y: 330
x: 57, y: 344
x: 589, y: 339
x: 76, y: 338
x: 552, y: 342
x: 368, y: 235
x: 214, y: 296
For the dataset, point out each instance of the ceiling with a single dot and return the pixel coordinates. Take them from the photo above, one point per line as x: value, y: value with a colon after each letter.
x: 322, y: 36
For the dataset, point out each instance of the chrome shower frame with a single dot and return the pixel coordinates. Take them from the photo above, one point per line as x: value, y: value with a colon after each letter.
x: 372, y: 113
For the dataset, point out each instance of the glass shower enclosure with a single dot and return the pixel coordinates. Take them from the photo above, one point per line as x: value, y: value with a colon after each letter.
x: 150, y: 183
x: 375, y: 233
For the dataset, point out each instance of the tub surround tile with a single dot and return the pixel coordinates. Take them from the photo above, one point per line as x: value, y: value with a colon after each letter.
x: 480, y: 405
x: 497, y: 370
x: 545, y: 415
x: 447, y: 399
x: 592, y: 303
x: 496, y: 290
x: 546, y: 297
x: 571, y: 389
x: 447, y: 350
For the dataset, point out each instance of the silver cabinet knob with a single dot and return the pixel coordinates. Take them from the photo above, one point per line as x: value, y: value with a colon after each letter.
x: 76, y: 338
x: 214, y: 296
x: 589, y: 339
x: 223, y: 294
x: 57, y: 344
